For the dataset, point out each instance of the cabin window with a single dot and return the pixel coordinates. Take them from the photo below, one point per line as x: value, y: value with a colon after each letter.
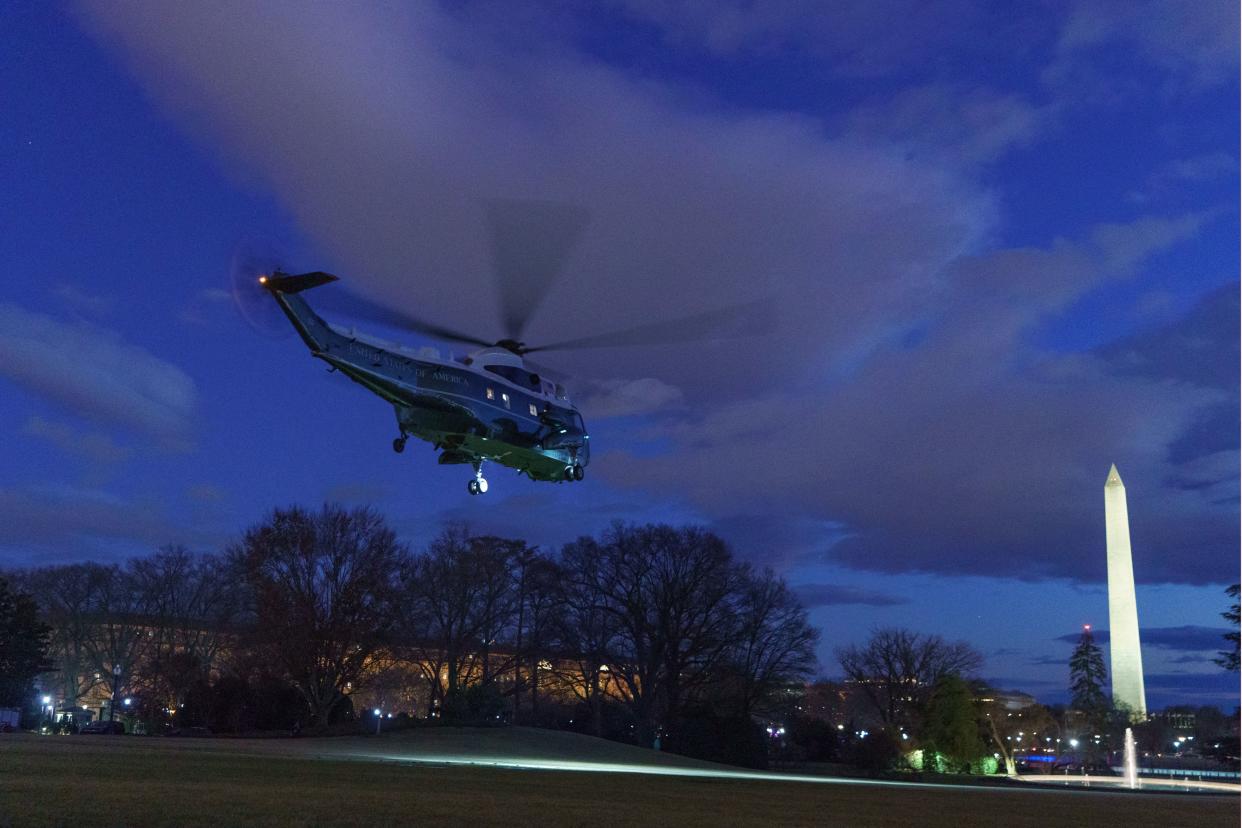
x: 534, y: 412
x: 505, y: 398
x: 491, y: 395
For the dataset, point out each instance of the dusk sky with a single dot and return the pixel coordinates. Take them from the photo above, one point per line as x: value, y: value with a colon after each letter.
x: 1002, y: 239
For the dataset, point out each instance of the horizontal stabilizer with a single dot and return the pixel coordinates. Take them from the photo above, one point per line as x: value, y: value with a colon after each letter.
x: 283, y: 283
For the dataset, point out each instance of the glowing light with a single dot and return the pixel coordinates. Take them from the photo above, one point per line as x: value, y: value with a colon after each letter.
x: 263, y: 280
x: 47, y: 699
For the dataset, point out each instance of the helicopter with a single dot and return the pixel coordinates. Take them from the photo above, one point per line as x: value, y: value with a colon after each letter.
x: 493, y: 405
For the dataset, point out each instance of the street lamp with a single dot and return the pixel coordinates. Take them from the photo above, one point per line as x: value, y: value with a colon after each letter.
x: 378, y: 720
x: 116, y: 679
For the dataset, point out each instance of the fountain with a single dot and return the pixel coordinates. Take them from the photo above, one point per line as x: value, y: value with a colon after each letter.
x: 1131, y: 763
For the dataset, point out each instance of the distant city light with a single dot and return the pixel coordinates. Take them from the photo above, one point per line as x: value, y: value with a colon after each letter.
x: 128, y: 702
x: 47, y: 699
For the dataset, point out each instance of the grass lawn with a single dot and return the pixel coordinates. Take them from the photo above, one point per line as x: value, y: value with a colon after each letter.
x: 115, y: 781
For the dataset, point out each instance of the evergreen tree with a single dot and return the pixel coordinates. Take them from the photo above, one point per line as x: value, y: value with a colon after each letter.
x: 950, y: 727
x: 23, y: 646
x: 1229, y: 658
x: 1087, y: 677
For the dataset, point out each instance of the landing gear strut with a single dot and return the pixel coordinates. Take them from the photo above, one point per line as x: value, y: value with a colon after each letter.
x: 479, y: 484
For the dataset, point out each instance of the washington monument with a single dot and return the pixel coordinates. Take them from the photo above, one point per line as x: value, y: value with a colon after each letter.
x: 1125, y: 658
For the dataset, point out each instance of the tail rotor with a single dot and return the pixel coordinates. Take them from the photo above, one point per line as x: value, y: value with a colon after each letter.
x: 251, y: 262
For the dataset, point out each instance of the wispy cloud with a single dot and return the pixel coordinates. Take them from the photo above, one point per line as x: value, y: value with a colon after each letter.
x: 1187, y: 638
x: 824, y: 595
x: 94, y: 446
x: 95, y: 373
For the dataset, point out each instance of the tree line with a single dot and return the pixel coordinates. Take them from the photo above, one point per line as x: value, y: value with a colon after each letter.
x: 646, y: 626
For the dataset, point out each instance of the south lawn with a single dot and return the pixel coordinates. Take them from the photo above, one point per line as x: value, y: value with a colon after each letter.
x: 415, y: 778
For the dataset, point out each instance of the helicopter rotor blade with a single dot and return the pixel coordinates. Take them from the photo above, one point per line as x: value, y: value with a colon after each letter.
x: 531, y: 241
x: 361, y: 308
x: 732, y: 322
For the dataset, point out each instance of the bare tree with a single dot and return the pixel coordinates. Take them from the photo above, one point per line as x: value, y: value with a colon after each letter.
x: 324, y: 587
x: 1009, y: 727
x: 66, y: 599
x: 586, y: 630
x: 775, y: 644
x: 192, y: 605
x: 119, y: 633
x: 460, y: 600
x: 538, y: 624
x: 897, y: 670
x: 666, y: 596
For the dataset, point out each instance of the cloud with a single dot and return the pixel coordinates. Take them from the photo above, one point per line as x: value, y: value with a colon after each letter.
x: 94, y: 446
x: 902, y: 418
x: 205, y: 306
x: 357, y: 492
x: 206, y: 493
x: 82, y: 302
x: 964, y: 123
x: 871, y: 38
x: 1218, y: 687
x: 1187, y: 638
x: 975, y: 452
x: 94, y: 373
x: 1195, y: 43
x: 628, y: 398
x: 63, y: 523
x: 690, y: 206
x: 1185, y: 178
x: 824, y: 595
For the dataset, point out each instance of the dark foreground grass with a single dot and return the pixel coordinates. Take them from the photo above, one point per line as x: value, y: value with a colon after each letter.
x: 131, y: 781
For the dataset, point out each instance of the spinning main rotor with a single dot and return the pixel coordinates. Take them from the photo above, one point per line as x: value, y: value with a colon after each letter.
x: 530, y: 244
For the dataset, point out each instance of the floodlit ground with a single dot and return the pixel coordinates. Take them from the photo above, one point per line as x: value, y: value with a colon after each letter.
x: 411, y: 778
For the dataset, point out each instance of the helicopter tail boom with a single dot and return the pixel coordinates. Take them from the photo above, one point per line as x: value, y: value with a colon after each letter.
x: 282, y: 283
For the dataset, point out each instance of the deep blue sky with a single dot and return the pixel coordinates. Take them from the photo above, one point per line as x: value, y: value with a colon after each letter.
x: 1004, y: 244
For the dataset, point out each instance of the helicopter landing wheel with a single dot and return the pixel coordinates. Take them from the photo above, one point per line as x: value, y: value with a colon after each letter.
x: 398, y: 444
x: 578, y: 471
x: 569, y: 473
x: 479, y: 484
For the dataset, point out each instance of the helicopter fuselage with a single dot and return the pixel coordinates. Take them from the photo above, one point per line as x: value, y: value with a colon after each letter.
x: 489, y: 407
